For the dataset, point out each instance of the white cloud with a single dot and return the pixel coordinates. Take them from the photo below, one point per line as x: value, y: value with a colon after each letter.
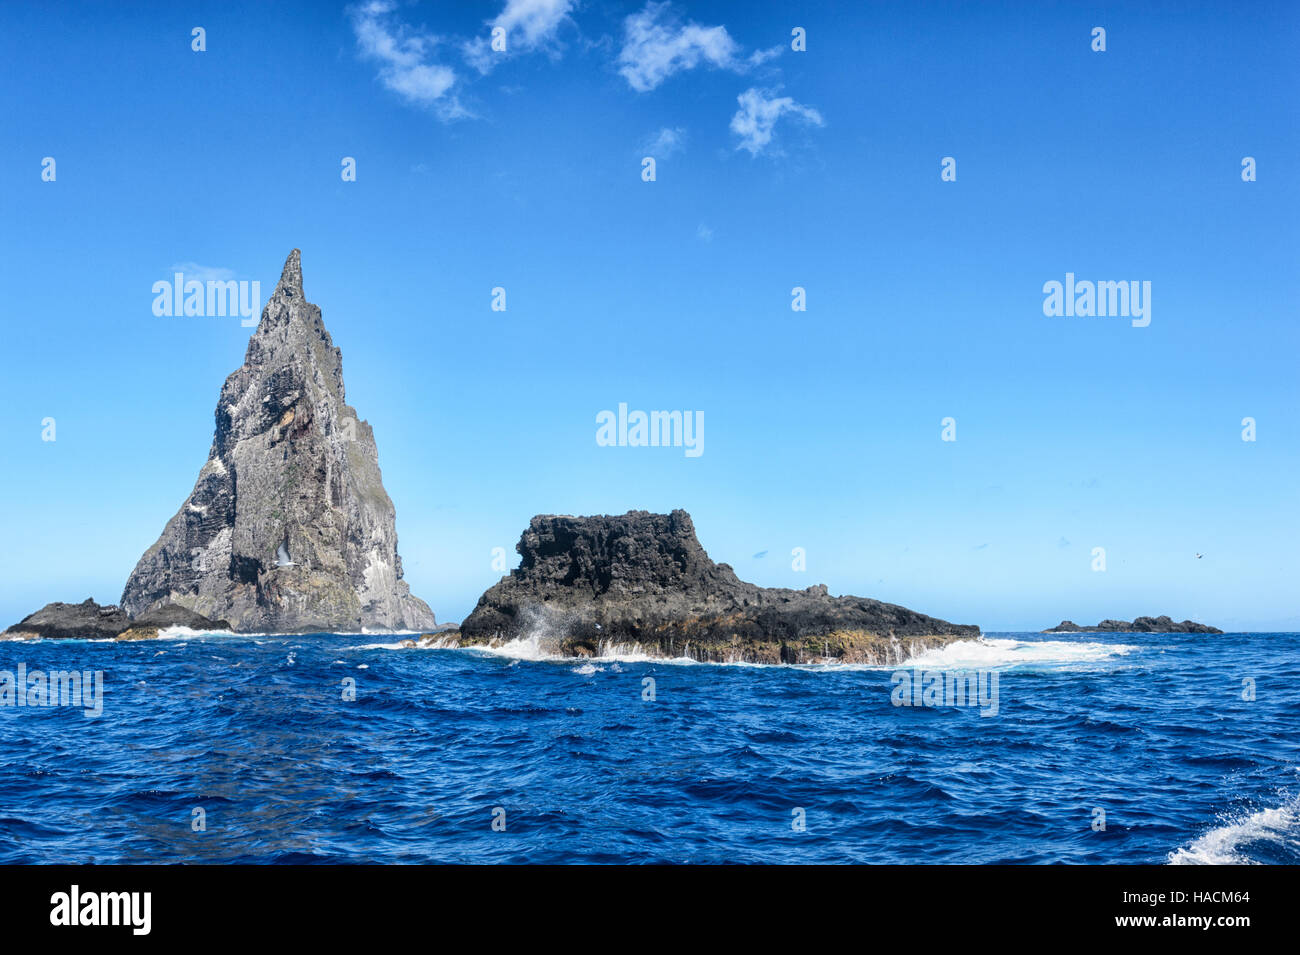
x: 529, y: 25
x: 758, y: 115
x: 405, y: 59
x: 705, y: 234
x: 656, y: 45
x: 666, y: 142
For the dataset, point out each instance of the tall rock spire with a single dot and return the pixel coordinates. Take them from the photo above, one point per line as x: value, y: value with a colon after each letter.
x: 288, y: 528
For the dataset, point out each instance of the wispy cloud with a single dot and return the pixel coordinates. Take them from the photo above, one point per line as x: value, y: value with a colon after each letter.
x: 666, y: 142
x: 405, y: 58
x: 656, y: 44
x: 529, y: 25
x: 759, y: 112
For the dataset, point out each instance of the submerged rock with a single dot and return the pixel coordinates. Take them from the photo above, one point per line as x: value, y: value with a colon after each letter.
x: 90, y: 621
x: 288, y: 528
x: 150, y: 623
x: 1161, y: 624
x: 443, y: 638
x: 588, y: 584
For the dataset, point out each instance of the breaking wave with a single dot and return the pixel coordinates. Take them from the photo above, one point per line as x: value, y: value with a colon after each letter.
x: 539, y: 647
x: 1006, y: 652
x: 185, y: 633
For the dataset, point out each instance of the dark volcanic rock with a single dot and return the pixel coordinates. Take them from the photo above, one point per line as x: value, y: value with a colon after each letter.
x: 83, y: 621
x: 1161, y: 624
x: 89, y: 621
x: 288, y: 528
x: 586, y: 584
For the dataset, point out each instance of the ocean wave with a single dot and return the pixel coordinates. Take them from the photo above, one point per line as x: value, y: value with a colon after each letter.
x: 1264, y: 837
x: 755, y: 743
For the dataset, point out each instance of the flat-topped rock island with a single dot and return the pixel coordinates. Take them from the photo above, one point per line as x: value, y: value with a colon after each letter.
x: 587, y: 586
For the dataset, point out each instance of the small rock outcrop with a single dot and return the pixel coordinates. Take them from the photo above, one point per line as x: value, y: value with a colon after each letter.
x: 288, y: 528
x: 586, y: 585
x: 90, y: 621
x: 1161, y: 624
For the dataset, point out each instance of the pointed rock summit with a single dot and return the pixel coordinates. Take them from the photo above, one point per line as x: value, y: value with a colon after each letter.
x: 288, y: 528
x: 291, y: 275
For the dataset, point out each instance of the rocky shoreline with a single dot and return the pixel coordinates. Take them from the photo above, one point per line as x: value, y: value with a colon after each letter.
x: 637, y: 584
x: 1161, y: 624
x: 838, y: 647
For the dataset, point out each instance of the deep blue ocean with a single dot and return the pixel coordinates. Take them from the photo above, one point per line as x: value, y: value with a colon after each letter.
x: 727, y: 763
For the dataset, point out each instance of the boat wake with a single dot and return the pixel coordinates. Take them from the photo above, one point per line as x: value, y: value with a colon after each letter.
x: 1263, y: 837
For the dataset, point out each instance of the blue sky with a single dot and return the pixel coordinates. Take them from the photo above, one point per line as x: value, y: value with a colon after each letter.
x: 774, y: 169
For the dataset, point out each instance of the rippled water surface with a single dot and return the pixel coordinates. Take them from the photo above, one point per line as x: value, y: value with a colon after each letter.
x: 1151, y: 729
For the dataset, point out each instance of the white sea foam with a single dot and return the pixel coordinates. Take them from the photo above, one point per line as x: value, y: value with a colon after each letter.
x: 185, y: 633
x: 1230, y: 844
x: 539, y: 648
x: 437, y: 643
x: 998, y: 651
x: 962, y: 655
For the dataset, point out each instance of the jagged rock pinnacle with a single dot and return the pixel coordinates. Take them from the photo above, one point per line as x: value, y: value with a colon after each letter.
x: 291, y: 275
x: 294, y: 471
